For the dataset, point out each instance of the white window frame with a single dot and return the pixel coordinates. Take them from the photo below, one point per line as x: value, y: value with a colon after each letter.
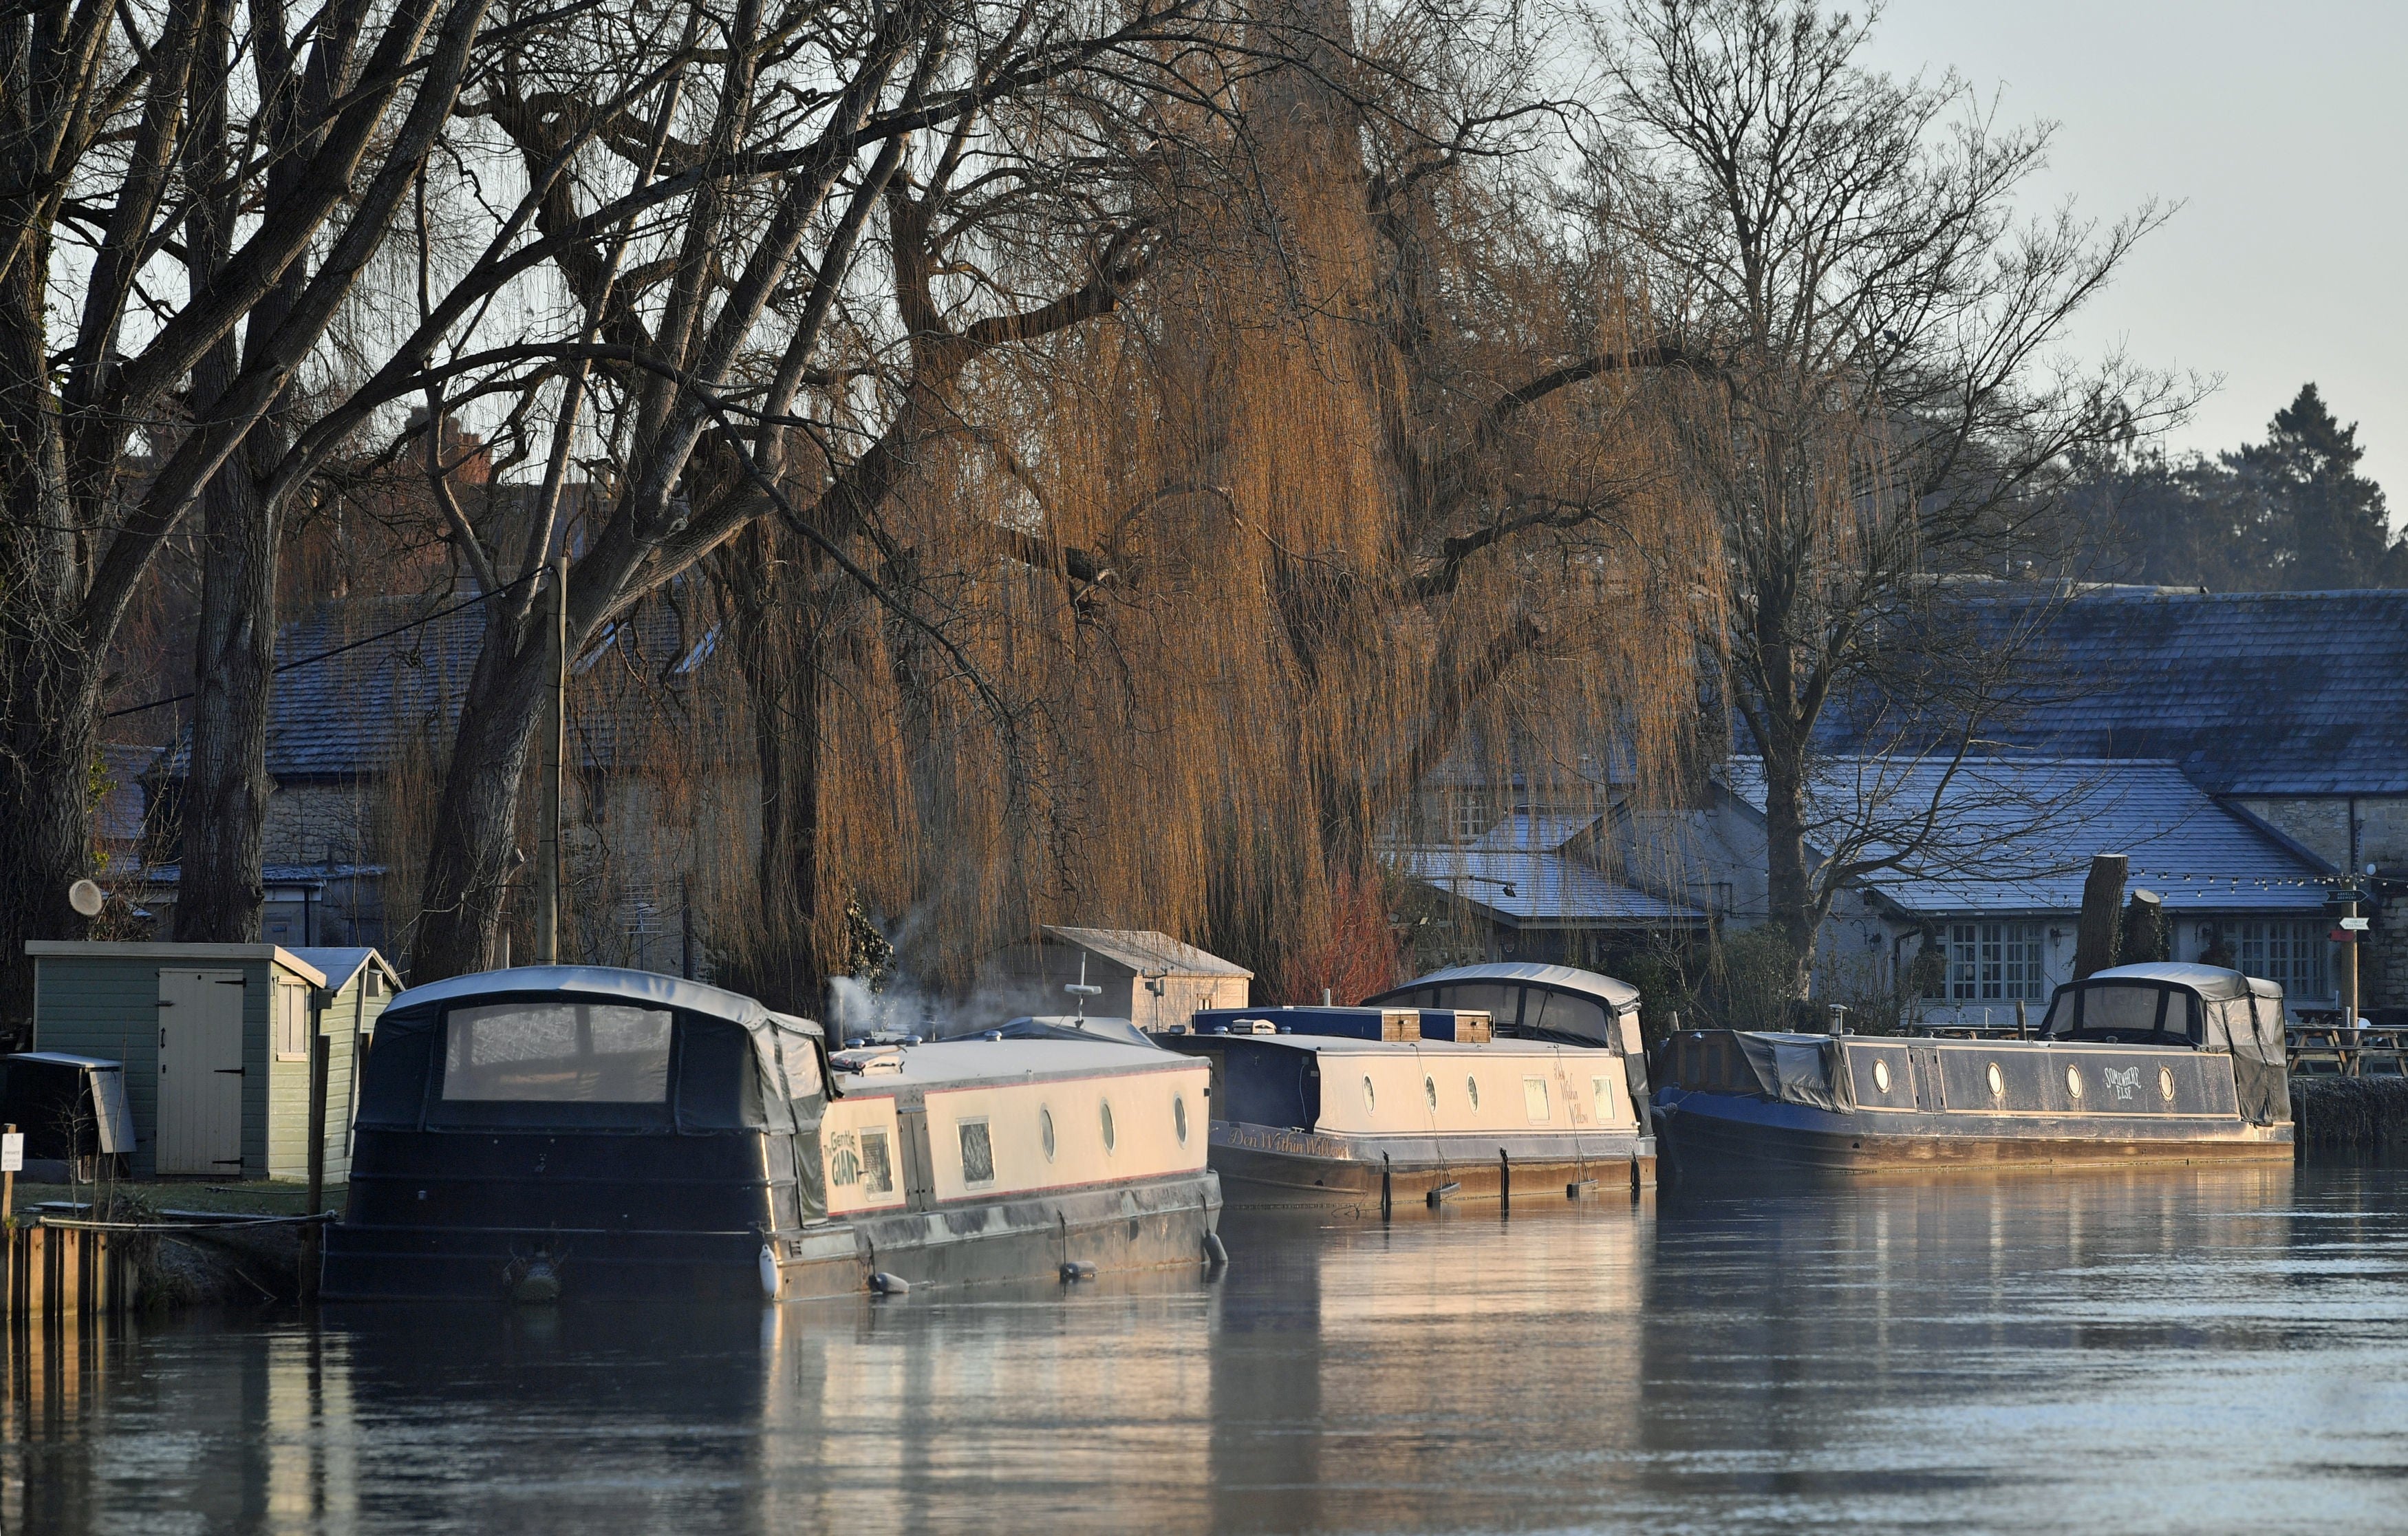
x: 2293, y: 952
x: 1993, y: 963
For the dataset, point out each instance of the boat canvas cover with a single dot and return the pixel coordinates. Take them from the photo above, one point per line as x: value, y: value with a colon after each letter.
x: 2238, y: 1014
x: 793, y: 1086
x: 1810, y: 1070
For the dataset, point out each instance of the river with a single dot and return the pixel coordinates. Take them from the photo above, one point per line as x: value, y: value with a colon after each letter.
x: 2175, y: 1352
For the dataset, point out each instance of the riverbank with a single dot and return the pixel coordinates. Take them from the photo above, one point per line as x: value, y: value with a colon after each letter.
x: 2361, y: 1114
x: 189, y: 1244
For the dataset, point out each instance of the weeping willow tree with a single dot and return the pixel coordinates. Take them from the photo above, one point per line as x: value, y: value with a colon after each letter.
x: 1175, y: 605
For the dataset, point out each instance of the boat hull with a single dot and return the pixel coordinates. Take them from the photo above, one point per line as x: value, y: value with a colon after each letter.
x: 1267, y: 1166
x: 1148, y: 1224
x: 1706, y: 1132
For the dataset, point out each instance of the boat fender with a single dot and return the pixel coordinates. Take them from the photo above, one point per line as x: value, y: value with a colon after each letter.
x: 1438, y: 1197
x: 773, y: 1279
x: 537, y: 1282
x: 1214, y: 1254
x: 1076, y: 1270
x: 889, y: 1285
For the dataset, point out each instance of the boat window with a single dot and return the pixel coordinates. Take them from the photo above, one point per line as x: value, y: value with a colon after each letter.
x: 1370, y: 1097
x: 1501, y: 1002
x: 1472, y: 1086
x: 1107, y: 1125
x: 1179, y: 1116
x: 978, y: 1152
x: 556, y: 1053
x: 877, y: 1164
x: 1567, y: 1014
x: 1602, y: 1087
x: 2061, y: 1013
x: 1430, y: 1091
x: 2126, y: 1010
x: 717, y: 1087
x: 1045, y: 1130
x: 1534, y: 1097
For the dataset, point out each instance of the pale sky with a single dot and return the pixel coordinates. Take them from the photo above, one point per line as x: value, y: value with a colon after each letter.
x: 2281, y: 129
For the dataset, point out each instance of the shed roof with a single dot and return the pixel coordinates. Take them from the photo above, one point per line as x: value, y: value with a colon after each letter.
x: 1532, y: 889
x: 1144, y: 951
x: 2020, y: 834
x: 342, y: 963
x: 89, y: 948
x: 2252, y: 692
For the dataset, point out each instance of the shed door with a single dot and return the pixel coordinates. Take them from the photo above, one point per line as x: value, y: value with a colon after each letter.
x: 200, y: 1072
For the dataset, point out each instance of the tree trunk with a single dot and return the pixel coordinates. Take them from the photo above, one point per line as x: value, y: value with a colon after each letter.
x: 49, y: 671
x: 220, y: 892
x: 1788, y: 878
x: 2102, y: 899
x: 476, y: 827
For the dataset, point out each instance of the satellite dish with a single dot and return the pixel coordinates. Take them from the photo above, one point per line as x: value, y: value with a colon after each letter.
x: 85, y: 898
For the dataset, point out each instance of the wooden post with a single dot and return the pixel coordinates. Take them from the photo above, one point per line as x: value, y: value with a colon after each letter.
x: 2103, y: 902
x: 311, y: 1234
x: 1504, y: 1182
x: 9, y: 1187
x: 555, y: 732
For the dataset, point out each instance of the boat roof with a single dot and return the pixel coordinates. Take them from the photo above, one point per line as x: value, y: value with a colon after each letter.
x: 2210, y: 982
x: 65, y: 1059
x: 1617, y: 994
x: 957, y: 1063
x: 1354, y: 1045
x: 648, y: 988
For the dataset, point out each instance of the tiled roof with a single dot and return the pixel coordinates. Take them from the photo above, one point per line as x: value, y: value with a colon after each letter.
x: 2274, y: 692
x: 2016, y: 835
x: 347, y: 714
x: 1538, y: 888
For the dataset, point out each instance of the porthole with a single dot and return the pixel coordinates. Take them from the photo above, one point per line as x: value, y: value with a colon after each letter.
x: 1430, y: 1091
x: 1107, y: 1125
x: 1179, y: 1116
x: 1045, y: 1130
x: 1881, y: 1076
x: 1370, y: 1097
x: 1472, y: 1086
x: 1998, y: 1082
x: 2166, y: 1083
x: 2073, y: 1081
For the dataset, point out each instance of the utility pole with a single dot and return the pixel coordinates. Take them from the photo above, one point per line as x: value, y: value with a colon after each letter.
x: 556, y: 740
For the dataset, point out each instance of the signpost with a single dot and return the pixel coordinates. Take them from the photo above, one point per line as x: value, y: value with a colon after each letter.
x: 12, y: 1162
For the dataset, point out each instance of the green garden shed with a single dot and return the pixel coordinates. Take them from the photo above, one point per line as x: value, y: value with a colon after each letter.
x: 215, y: 1038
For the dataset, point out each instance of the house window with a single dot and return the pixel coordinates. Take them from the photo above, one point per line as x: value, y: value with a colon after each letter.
x: 2290, y: 953
x: 1992, y: 962
x: 1473, y: 814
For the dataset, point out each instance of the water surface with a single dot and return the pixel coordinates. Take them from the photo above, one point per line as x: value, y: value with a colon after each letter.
x: 2125, y: 1353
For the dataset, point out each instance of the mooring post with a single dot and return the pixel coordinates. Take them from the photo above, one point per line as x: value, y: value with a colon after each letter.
x: 1387, y: 1189
x: 1504, y: 1182
x: 312, y: 1235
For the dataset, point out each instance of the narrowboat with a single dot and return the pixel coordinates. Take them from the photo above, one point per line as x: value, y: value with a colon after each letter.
x: 1420, y: 1096
x: 584, y: 1131
x: 2158, y: 1063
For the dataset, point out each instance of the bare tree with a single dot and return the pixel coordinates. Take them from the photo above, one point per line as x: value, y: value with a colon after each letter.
x: 695, y: 188
x: 121, y: 161
x: 1868, y: 409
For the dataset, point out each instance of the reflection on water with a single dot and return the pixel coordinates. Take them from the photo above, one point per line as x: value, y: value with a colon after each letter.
x: 2148, y: 1352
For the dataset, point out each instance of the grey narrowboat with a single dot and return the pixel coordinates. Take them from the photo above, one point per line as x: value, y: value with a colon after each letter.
x: 2157, y: 1063
x: 584, y: 1131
